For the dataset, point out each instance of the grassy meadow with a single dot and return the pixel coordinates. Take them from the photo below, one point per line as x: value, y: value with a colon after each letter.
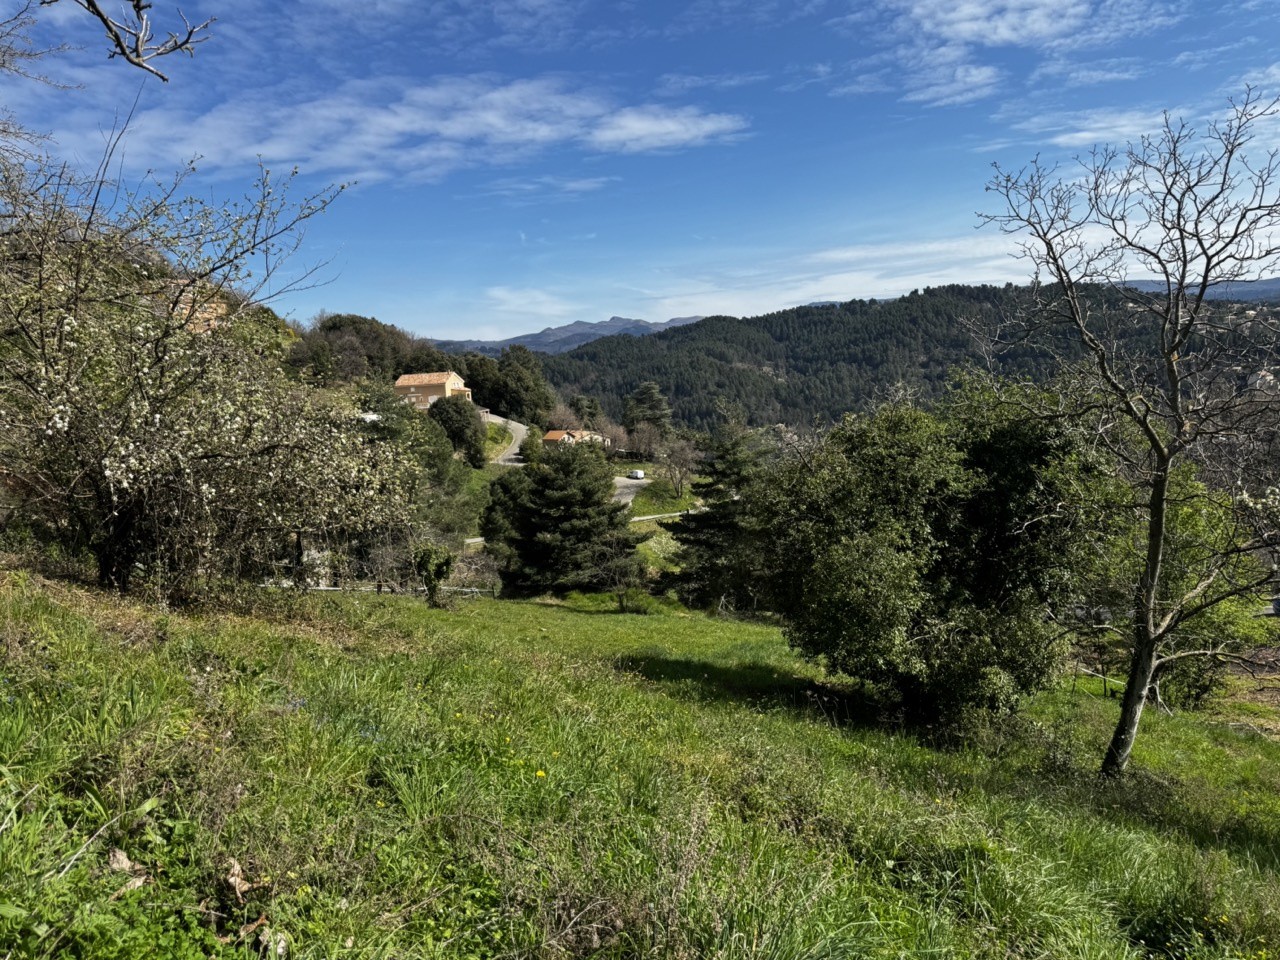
x: 659, y: 496
x: 360, y: 776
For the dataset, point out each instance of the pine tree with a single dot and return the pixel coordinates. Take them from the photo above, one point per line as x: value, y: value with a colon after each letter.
x: 718, y: 547
x: 563, y: 530
x: 648, y: 405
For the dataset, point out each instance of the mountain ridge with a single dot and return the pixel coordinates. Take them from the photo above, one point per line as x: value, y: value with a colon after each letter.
x: 554, y: 340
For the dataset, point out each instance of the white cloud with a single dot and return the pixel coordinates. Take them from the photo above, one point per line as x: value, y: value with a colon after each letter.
x: 1070, y: 73
x: 679, y: 84
x: 529, y: 301
x: 862, y: 271
x: 1200, y: 57
x: 706, y: 15
x: 942, y: 48
x: 1266, y: 78
x: 374, y: 129
x: 534, y: 189
x: 1085, y: 128
x: 952, y: 84
x: 880, y: 81
x: 645, y: 128
x: 994, y: 22
x: 454, y: 25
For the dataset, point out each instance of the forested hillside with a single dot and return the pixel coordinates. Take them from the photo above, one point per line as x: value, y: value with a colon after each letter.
x: 798, y: 364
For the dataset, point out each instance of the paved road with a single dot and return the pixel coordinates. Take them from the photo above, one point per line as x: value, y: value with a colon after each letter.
x: 510, y: 457
x: 625, y: 489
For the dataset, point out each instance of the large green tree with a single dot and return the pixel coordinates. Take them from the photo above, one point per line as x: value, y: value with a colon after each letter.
x: 884, y: 545
x: 719, y: 559
x: 463, y: 425
x: 647, y: 405
x: 555, y: 526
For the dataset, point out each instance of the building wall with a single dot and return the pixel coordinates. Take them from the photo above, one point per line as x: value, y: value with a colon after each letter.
x: 423, y: 396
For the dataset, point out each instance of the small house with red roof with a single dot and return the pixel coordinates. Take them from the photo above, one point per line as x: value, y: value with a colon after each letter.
x: 554, y: 438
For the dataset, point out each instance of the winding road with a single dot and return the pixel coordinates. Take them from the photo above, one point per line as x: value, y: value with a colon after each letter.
x: 510, y: 457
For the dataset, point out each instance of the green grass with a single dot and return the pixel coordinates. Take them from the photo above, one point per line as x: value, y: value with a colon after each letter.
x: 497, y: 439
x: 529, y: 780
x: 659, y: 551
x: 659, y: 496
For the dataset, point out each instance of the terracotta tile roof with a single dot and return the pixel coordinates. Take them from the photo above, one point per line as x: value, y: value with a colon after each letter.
x: 555, y: 436
x: 423, y: 379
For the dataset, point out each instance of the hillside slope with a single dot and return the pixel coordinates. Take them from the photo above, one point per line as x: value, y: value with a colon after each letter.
x: 794, y: 365
x: 560, y: 339
x: 369, y: 778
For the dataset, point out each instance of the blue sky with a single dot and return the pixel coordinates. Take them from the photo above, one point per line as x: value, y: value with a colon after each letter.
x: 526, y: 163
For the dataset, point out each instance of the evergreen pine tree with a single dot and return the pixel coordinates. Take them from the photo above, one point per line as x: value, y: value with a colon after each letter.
x: 718, y: 545
x: 648, y: 405
x: 563, y: 531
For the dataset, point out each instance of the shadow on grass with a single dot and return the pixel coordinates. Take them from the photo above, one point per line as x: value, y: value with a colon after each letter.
x: 759, y: 685
x: 1188, y: 808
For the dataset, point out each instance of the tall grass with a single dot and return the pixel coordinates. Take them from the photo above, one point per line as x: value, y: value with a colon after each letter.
x: 370, y: 778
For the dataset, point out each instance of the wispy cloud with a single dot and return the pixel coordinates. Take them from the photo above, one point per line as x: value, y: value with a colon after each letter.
x: 1084, y: 128
x: 703, y: 15
x: 879, y: 81
x: 1199, y: 58
x: 862, y: 271
x: 946, y: 76
x: 455, y: 25
x: 680, y: 84
x: 529, y: 301
x: 651, y: 127
x: 942, y: 48
x: 807, y: 75
x: 1072, y: 73
x: 544, y: 188
x: 994, y: 23
x: 375, y: 129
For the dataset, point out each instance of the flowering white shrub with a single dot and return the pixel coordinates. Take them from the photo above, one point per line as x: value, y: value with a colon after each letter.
x: 143, y: 415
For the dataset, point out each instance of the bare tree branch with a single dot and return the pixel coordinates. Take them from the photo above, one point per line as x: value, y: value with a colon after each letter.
x: 1182, y: 383
x: 131, y: 36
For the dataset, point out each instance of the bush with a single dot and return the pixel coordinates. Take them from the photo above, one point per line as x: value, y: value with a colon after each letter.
x: 881, y: 542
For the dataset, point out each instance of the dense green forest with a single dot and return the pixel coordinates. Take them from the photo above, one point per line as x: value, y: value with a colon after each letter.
x: 799, y: 364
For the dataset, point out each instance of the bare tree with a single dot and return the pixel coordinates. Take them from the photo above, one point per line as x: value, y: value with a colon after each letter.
x: 678, y: 458
x: 645, y: 439
x: 562, y: 417
x: 132, y: 38
x: 1175, y: 382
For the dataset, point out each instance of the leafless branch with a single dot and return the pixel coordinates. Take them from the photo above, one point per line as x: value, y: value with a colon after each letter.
x: 132, y: 39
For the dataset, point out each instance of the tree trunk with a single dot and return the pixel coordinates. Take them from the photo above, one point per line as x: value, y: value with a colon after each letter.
x: 1141, y: 669
x: 116, y: 552
x: 1142, y: 663
x: 115, y: 567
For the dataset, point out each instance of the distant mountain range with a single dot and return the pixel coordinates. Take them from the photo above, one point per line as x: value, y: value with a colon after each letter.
x: 562, y: 339
x: 817, y: 361
x: 796, y: 365
x: 556, y: 340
